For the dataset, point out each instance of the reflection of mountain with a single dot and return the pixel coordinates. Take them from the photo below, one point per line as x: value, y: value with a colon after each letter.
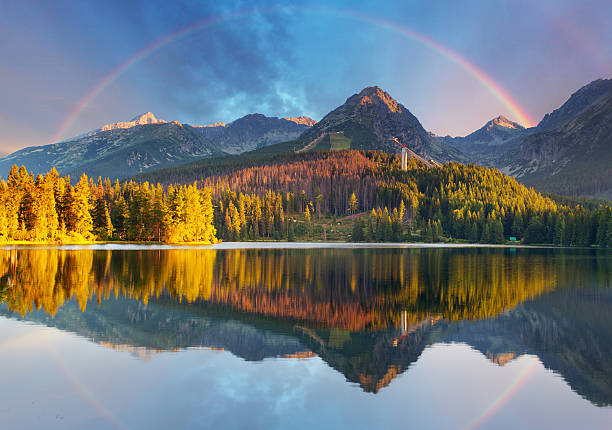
x: 371, y: 359
x: 368, y: 313
x: 164, y: 326
x: 569, y: 330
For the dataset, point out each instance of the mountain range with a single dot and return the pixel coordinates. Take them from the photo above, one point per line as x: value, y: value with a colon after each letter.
x: 569, y: 152
x: 145, y: 143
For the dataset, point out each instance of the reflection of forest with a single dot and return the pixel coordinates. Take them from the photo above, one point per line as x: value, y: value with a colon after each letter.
x: 369, y: 313
x: 350, y: 289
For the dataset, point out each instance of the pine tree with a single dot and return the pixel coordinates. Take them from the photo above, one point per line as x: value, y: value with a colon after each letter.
x: 4, y: 230
x: 173, y: 220
x: 192, y: 214
x: 353, y: 204
x: 357, y: 233
x: 80, y: 207
x: 158, y: 211
x: 559, y: 238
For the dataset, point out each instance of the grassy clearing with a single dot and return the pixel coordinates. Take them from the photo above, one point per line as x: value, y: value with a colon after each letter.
x: 323, y: 229
x: 339, y: 142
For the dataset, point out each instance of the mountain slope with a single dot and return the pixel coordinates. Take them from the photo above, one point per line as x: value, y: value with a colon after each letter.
x: 146, y: 143
x: 587, y: 96
x: 372, y: 119
x: 571, y: 151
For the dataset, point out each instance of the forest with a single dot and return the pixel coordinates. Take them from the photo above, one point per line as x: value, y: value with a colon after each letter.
x: 289, y: 197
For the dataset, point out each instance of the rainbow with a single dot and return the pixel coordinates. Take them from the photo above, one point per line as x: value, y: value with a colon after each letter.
x: 521, y: 115
x: 505, y: 396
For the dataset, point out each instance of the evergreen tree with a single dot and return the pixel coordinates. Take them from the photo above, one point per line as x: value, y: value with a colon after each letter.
x: 534, y: 231
x: 357, y: 234
x: 353, y: 204
x: 80, y: 207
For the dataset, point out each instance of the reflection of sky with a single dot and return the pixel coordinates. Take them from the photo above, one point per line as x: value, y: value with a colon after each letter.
x: 53, y: 379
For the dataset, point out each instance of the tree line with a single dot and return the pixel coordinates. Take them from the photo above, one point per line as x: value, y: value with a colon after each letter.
x: 49, y: 208
x: 455, y: 201
x: 280, y: 199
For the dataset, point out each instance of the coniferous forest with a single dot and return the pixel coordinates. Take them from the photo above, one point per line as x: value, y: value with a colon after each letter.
x: 281, y: 198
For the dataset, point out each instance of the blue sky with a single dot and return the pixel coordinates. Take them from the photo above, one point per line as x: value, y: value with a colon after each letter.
x: 282, y: 61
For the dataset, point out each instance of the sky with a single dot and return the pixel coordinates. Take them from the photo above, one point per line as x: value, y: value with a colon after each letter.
x: 71, y: 66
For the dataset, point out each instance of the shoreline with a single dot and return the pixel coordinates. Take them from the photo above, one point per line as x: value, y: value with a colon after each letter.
x: 100, y: 246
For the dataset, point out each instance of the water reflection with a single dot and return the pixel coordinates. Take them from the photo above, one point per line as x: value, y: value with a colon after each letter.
x: 369, y: 313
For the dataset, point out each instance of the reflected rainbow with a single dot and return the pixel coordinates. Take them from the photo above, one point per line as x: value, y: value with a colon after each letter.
x: 493, y: 87
x: 84, y: 392
x: 505, y: 396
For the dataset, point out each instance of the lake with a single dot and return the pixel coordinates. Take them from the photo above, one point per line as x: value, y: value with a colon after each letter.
x: 305, y: 336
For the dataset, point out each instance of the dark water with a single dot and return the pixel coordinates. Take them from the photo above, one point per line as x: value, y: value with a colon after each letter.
x: 457, y: 338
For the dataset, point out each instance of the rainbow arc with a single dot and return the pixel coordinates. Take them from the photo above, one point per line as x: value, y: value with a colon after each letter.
x: 489, y: 83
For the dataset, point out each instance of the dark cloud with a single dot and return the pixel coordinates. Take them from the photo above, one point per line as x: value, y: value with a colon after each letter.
x: 228, y: 69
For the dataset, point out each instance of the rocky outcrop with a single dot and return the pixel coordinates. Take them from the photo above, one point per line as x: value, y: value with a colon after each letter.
x: 302, y: 120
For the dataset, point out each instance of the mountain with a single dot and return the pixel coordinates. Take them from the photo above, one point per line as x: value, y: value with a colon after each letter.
x: 144, y: 119
x: 486, y: 144
x: 570, y: 151
x: 587, y: 96
x: 372, y: 119
x: 254, y: 131
x: 117, y: 151
x: 146, y: 143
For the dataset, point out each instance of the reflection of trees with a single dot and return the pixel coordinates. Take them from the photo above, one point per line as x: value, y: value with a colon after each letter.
x: 3, y: 290
x: 351, y: 289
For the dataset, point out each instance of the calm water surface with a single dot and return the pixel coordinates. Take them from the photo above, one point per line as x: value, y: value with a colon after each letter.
x: 114, y: 337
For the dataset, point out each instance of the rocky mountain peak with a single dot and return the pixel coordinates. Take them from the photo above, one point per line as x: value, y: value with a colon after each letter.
x: 502, y: 121
x: 143, y: 119
x: 372, y: 119
x: 146, y: 118
x: 375, y: 96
